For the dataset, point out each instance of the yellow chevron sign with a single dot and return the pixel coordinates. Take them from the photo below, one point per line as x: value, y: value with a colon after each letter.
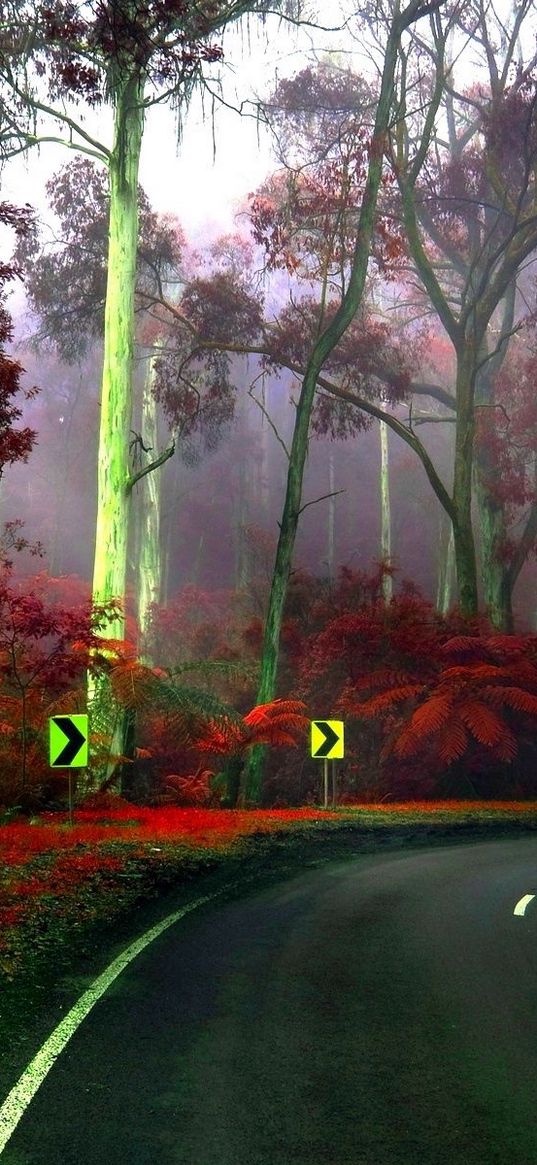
x: 327, y: 739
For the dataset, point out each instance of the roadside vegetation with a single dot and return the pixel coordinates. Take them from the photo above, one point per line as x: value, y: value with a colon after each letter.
x: 61, y: 882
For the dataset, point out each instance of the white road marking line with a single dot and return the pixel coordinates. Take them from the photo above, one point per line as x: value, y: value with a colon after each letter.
x: 521, y: 905
x: 27, y: 1085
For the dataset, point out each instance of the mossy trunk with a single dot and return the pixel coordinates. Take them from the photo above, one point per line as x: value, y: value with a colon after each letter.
x: 497, y: 588
x: 465, y: 557
x: 446, y: 567
x: 110, y: 562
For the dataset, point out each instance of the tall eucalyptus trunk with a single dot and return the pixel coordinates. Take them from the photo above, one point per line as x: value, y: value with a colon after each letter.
x: 174, y: 497
x: 113, y: 496
x: 463, y: 534
x: 446, y: 559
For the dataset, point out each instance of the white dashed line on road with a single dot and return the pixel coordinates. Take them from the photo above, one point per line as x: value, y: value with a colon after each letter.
x: 520, y: 907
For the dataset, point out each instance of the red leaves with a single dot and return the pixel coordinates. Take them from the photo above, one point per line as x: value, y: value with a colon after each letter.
x: 164, y: 38
x: 190, y: 790
x: 277, y: 723
x: 306, y: 219
x: 223, y: 308
x: 462, y: 705
x: 15, y: 445
x: 421, y: 692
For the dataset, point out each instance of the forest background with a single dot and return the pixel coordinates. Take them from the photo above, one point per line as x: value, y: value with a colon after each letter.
x: 406, y: 602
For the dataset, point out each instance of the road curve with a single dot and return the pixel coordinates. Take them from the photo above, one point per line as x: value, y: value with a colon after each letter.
x: 380, y: 1010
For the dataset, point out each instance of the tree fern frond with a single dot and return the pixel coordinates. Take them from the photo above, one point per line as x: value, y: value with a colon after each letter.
x: 466, y: 645
x: 273, y: 736
x: 72, y: 703
x: 381, y: 679
x: 488, y: 728
x: 376, y: 705
x: 472, y: 673
x: 452, y: 742
x: 507, y: 748
x: 432, y: 715
x: 515, y: 698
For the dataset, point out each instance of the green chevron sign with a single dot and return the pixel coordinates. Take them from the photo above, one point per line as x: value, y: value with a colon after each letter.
x: 327, y: 739
x: 68, y: 736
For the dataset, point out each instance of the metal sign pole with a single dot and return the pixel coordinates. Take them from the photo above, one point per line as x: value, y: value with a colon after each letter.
x: 325, y: 783
x: 334, y: 784
x: 70, y: 799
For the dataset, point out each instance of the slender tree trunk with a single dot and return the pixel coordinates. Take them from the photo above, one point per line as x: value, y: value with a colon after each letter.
x: 252, y: 779
x: 495, y: 572
x: 386, y: 521
x: 165, y: 590
x: 444, y: 594
x: 110, y: 563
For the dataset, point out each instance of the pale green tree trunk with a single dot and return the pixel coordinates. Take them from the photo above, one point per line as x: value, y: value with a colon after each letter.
x: 463, y: 533
x: 110, y: 563
x: 495, y: 571
x: 174, y: 492
x: 446, y: 558
x: 386, y: 521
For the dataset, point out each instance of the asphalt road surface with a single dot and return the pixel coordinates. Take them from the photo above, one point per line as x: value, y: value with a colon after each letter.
x: 376, y: 1011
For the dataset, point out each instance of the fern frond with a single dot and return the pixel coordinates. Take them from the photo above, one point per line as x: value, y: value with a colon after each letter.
x: 386, y: 700
x: 474, y: 673
x: 274, y: 709
x: 452, y: 742
x: 515, y: 698
x: 273, y: 736
x: 71, y: 703
x: 470, y: 646
x: 381, y: 679
x: 488, y: 728
x: 432, y: 715
x: 507, y: 749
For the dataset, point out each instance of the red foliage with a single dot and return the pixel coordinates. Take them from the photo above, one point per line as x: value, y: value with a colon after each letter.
x: 42, y: 651
x: 15, y: 445
x: 149, y: 37
x: 277, y: 723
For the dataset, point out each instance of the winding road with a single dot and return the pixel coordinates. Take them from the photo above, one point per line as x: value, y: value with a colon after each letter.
x: 380, y: 1010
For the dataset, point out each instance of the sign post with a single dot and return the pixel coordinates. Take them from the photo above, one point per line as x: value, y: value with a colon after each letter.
x: 327, y: 742
x: 70, y: 755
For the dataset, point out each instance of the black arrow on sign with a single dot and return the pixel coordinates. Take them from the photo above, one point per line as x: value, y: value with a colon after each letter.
x: 331, y: 738
x: 75, y: 740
